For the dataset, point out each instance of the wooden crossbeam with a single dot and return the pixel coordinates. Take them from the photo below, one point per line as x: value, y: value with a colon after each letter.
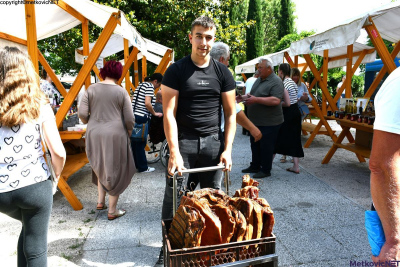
x: 164, y: 61
x: 325, y: 78
x: 289, y: 60
x: 303, y: 70
x: 51, y: 73
x: 70, y: 10
x: 31, y: 36
x: 97, y: 72
x: 244, y: 77
x: 128, y: 63
x: 144, y: 68
x: 14, y: 39
x: 136, y: 71
x: 368, y: 51
x: 88, y: 66
x: 322, y: 85
x: 380, y: 46
x: 382, y: 73
x: 349, y: 73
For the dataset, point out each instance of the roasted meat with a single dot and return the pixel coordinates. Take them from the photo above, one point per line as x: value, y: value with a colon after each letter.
x: 268, y: 217
x: 228, y: 221
x: 186, y: 228
x: 247, y: 192
x: 246, y: 207
x: 247, y: 181
x: 240, y: 228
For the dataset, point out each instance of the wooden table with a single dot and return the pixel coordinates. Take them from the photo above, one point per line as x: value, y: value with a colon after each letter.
x: 313, y: 129
x: 72, y: 165
x: 362, y: 151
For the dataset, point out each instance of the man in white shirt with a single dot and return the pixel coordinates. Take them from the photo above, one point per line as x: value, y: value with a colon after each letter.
x: 385, y: 165
x: 249, y: 83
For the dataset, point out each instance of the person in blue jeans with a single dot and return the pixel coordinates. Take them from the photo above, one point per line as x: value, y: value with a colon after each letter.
x: 142, y: 103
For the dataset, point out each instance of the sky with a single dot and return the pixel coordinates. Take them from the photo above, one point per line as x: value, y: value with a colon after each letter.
x: 319, y: 15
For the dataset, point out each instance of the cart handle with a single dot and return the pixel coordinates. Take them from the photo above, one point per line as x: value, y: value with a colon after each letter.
x: 204, y: 169
x: 253, y: 261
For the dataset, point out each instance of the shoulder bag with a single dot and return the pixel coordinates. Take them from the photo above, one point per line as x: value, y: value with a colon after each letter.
x: 140, y: 131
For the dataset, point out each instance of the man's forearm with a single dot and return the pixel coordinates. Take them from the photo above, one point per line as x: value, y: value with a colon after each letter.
x: 230, y: 130
x: 268, y: 101
x: 171, y: 133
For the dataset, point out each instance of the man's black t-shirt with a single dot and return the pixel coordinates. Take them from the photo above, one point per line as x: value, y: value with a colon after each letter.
x: 199, y: 102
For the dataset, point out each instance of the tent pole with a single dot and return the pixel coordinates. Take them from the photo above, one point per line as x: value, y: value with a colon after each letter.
x: 136, y: 71
x: 126, y: 57
x: 382, y: 73
x: 51, y: 73
x: 325, y: 80
x: 105, y: 35
x: 67, y: 8
x: 349, y: 73
x: 85, y: 39
x: 30, y: 19
x: 296, y: 61
x: 380, y: 46
x: 244, y: 77
x: 144, y: 68
x: 164, y: 61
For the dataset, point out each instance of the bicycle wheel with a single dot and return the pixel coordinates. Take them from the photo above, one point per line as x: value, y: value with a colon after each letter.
x: 152, y: 151
x: 164, y: 153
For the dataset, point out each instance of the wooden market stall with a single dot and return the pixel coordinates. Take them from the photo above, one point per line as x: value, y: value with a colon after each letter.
x: 383, y: 22
x: 28, y: 23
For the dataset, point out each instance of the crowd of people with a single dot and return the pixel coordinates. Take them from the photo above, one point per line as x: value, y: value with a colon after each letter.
x: 199, y: 108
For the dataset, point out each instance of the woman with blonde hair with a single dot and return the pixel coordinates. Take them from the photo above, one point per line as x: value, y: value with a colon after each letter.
x: 106, y: 107
x: 25, y: 184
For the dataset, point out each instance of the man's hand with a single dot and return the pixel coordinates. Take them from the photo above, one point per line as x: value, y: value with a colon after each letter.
x: 250, y: 100
x: 256, y: 133
x: 389, y: 252
x: 226, y: 159
x: 175, y: 163
x: 158, y: 114
x: 239, y: 99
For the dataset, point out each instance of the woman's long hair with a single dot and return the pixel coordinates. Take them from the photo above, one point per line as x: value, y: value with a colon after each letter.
x: 20, y: 95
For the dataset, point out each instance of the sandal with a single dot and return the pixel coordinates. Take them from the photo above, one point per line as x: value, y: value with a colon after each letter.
x: 283, y: 159
x: 101, y: 206
x: 115, y: 215
x: 291, y: 170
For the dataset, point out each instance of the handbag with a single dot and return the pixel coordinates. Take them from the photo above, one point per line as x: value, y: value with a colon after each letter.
x: 140, y: 131
x: 54, y: 180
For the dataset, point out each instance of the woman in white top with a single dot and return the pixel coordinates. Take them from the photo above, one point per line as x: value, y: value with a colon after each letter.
x: 47, y: 87
x: 25, y: 187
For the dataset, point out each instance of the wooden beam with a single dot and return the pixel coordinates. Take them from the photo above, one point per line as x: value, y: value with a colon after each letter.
x: 97, y: 72
x: 296, y: 61
x: 381, y: 73
x: 322, y: 85
x: 70, y: 10
x: 325, y: 79
x: 289, y: 60
x: 30, y: 19
x: 14, y: 39
x: 144, y: 68
x: 87, y: 66
x: 244, y: 77
x: 52, y: 75
x: 349, y: 73
x: 163, y: 61
x: 126, y: 56
x: 128, y: 63
x: 369, y: 51
x: 303, y: 70
x: 85, y: 39
x: 380, y: 46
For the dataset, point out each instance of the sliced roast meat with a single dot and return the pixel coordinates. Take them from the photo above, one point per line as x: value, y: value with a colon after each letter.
x: 247, y: 181
x: 247, y: 192
x: 228, y: 221
x: 245, y: 206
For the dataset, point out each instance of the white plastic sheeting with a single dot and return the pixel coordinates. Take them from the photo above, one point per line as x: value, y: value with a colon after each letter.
x: 386, y: 19
x: 52, y: 20
x: 277, y: 58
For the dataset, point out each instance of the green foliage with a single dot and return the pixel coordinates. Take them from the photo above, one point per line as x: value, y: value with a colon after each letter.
x: 254, y: 35
x: 286, y: 40
x: 286, y: 19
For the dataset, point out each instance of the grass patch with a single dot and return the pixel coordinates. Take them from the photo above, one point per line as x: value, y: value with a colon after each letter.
x: 87, y: 220
x: 77, y: 245
x: 92, y: 212
x: 61, y: 221
x: 66, y: 256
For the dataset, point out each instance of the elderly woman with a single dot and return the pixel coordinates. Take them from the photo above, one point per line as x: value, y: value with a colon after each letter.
x: 25, y: 184
x: 289, y: 138
x: 107, y: 109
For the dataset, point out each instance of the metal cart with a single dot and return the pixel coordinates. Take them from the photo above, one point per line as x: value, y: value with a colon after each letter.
x: 255, y: 252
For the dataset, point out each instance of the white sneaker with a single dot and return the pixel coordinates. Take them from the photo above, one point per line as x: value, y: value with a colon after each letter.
x: 150, y: 169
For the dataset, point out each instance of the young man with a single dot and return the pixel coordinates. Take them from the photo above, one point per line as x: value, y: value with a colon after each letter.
x: 193, y: 90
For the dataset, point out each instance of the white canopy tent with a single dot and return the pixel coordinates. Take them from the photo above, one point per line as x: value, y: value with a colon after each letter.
x: 52, y: 20
x: 277, y: 58
x: 386, y: 19
x: 115, y: 44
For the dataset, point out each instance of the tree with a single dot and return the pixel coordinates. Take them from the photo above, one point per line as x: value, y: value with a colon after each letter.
x: 270, y: 20
x: 254, y: 35
x: 286, y: 18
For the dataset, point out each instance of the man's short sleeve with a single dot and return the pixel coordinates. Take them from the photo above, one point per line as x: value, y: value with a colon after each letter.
x: 171, y: 78
x: 277, y: 89
x: 387, y: 105
x: 229, y: 83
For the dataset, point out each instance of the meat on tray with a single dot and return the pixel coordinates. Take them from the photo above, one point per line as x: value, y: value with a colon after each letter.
x: 210, y: 217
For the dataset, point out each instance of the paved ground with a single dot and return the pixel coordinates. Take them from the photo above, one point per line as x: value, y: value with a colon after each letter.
x: 319, y: 214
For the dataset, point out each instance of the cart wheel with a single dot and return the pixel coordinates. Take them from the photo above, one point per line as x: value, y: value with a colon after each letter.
x: 152, y: 151
x: 164, y: 153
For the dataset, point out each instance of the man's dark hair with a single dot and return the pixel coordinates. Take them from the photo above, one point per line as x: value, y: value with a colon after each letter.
x: 147, y: 79
x: 285, y: 68
x: 156, y: 76
x: 203, y: 21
